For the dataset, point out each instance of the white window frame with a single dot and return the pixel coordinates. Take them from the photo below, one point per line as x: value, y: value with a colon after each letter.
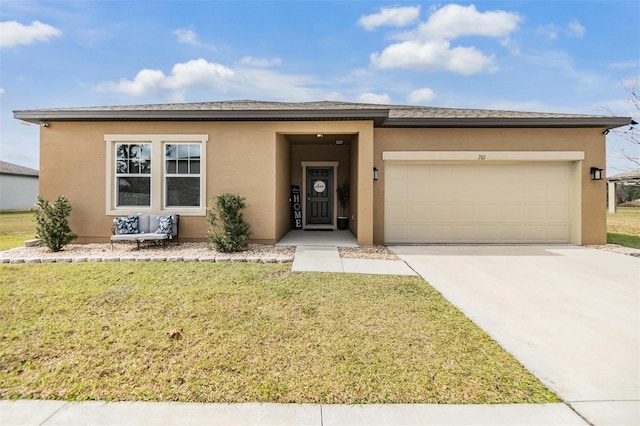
x: 158, y: 183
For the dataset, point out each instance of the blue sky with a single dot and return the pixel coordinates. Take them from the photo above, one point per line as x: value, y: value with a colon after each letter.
x: 553, y: 56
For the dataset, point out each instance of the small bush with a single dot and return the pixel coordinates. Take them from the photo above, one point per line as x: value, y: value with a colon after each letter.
x: 53, y: 229
x: 228, y: 231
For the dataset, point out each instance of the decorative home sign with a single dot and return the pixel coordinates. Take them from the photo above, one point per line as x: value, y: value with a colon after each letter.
x: 319, y: 186
x: 296, y: 208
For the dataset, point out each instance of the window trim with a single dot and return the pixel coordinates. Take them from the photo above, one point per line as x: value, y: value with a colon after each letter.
x: 158, y: 202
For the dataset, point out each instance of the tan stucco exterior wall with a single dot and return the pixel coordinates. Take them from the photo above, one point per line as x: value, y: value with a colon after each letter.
x: 252, y: 159
x: 364, y: 195
x: 590, y: 141
x: 321, y: 153
x: 259, y: 160
x: 282, y: 215
x: 353, y: 189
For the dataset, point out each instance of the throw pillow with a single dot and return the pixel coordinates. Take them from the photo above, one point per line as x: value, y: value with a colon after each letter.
x: 165, y: 225
x: 127, y: 225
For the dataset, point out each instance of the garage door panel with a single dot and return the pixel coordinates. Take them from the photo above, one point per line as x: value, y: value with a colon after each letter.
x: 511, y: 233
x: 489, y: 232
x: 419, y: 213
x: 397, y: 213
x: 511, y: 211
x: 557, y: 233
x: 472, y: 203
x: 534, y: 233
x: 399, y: 232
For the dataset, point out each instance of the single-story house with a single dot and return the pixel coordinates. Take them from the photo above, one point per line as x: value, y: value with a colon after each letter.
x: 18, y: 187
x: 417, y: 174
x: 631, y: 177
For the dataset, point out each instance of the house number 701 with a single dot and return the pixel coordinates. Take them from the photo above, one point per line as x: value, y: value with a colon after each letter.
x: 482, y: 157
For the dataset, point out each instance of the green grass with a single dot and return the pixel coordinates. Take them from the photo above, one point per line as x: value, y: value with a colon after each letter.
x: 15, y: 228
x: 623, y: 227
x: 252, y: 332
x: 623, y: 240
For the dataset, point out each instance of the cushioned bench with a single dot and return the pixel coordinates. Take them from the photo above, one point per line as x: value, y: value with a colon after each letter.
x: 156, y: 228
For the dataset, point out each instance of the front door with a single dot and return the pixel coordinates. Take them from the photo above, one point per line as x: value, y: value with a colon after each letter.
x: 319, y: 196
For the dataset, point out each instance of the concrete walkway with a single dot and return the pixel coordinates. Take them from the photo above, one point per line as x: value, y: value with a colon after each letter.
x: 54, y: 413
x: 327, y: 259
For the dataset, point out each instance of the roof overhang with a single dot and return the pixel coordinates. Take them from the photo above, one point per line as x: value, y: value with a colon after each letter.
x: 26, y: 175
x: 598, y: 122
x: 630, y: 177
x: 378, y: 116
x: 381, y: 117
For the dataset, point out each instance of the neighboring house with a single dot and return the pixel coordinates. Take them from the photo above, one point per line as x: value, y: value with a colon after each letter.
x: 632, y: 177
x: 18, y: 187
x: 417, y: 174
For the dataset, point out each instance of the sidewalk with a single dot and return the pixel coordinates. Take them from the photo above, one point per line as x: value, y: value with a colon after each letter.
x: 50, y: 413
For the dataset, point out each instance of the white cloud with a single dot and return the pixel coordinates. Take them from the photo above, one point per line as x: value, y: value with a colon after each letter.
x: 429, y: 46
x: 195, y: 73
x: 190, y: 37
x: 433, y: 55
x: 548, y: 31
x: 421, y: 96
x: 212, y: 79
x: 13, y: 33
x: 374, y: 98
x: 632, y: 64
x: 453, y: 20
x: 552, y: 32
x: 186, y: 36
x: 575, y: 29
x: 198, y: 72
x: 395, y: 16
x: 260, y: 62
x: 2, y: 91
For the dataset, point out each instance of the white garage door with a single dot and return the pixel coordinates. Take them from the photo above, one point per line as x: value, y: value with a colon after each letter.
x: 478, y: 203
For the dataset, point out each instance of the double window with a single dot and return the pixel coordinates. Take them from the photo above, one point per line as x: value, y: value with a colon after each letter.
x: 156, y: 173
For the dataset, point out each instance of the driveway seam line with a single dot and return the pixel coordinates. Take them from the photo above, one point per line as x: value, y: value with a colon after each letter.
x: 568, y: 404
x: 54, y: 413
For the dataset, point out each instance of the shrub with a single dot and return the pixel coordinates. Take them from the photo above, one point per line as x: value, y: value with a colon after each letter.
x: 343, y: 195
x: 228, y: 231
x: 53, y: 229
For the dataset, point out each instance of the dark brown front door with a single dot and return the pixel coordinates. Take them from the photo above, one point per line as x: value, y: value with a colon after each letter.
x: 319, y: 196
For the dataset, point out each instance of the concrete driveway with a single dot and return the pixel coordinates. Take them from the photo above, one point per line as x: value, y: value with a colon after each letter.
x: 570, y: 314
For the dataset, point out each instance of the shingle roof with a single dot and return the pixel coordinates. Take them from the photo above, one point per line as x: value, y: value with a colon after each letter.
x: 631, y: 176
x: 382, y: 115
x: 16, y: 170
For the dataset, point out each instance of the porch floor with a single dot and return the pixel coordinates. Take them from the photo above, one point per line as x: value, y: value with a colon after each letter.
x: 318, y: 238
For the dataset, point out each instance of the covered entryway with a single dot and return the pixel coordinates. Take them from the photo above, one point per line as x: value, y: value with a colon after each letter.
x: 319, y: 163
x: 312, y: 161
x: 479, y: 202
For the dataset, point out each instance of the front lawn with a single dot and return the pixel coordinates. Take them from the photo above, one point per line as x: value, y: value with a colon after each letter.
x: 623, y: 227
x: 15, y: 228
x: 251, y: 332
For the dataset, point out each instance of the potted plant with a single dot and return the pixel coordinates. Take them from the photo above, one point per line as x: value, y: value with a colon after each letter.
x: 343, y: 199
